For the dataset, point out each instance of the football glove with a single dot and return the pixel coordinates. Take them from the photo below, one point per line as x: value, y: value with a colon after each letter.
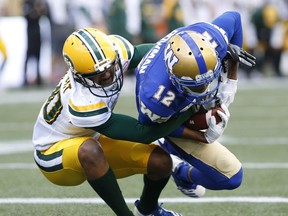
x: 228, y: 91
x: 240, y: 55
x: 214, y: 130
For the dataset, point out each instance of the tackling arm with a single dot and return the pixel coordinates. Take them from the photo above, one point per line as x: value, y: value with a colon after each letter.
x: 127, y: 128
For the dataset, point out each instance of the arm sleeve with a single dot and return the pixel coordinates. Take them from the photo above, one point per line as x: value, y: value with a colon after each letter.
x: 178, y: 132
x: 124, y: 127
x: 139, y: 52
x: 231, y: 22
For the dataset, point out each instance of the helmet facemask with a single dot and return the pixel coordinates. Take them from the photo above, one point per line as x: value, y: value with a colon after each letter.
x: 87, y: 80
x: 201, y: 91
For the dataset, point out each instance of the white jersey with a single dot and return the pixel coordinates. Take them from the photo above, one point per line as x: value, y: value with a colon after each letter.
x: 71, y: 108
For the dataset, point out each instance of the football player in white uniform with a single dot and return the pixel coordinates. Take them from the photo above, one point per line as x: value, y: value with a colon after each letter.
x: 77, y: 137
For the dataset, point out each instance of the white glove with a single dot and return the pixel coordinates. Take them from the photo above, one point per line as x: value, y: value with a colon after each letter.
x: 228, y: 92
x: 214, y: 130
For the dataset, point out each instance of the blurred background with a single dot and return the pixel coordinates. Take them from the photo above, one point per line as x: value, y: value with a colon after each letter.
x: 32, y: 32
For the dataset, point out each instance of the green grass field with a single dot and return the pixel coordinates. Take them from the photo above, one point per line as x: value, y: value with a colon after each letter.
x: 257, y: 134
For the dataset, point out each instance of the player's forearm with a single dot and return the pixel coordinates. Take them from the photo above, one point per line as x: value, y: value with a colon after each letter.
x: 194, y: 134
x: 127, y: 128
x: 232, y: 69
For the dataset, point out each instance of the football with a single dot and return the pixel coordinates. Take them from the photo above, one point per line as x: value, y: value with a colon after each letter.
x: 199, y: 121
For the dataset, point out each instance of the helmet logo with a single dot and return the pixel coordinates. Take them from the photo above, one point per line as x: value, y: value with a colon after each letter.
x: 169, y: 57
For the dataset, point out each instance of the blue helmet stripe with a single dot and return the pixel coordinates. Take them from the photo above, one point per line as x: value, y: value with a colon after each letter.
x: 196, y: 52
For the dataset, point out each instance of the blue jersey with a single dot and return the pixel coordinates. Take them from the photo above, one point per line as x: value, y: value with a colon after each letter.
x: 157, y: 98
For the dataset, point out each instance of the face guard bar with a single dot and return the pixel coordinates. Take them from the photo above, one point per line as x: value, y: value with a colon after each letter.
x: 210, y: 82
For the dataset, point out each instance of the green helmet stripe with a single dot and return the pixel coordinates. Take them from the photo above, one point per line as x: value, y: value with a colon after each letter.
x: 92, y: 45
x: 125, y: 44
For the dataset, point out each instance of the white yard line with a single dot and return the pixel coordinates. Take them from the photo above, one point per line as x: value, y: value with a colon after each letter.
x: 11, y: 166
x: 132, y: 200
x: 13, y: 146
x: 228, y: 140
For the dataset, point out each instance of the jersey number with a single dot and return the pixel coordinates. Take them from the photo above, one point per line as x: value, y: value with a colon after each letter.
x: 166, y: 100
x: 53, y: 106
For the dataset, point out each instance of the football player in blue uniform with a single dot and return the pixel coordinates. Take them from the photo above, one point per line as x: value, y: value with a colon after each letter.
x: 186, y: 69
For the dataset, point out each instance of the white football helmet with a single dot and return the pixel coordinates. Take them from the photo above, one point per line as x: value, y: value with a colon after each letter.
x: 193, y: 66
x: 88, y: 53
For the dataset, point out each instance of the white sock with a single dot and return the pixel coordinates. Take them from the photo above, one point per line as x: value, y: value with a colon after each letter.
x: 176, y: 160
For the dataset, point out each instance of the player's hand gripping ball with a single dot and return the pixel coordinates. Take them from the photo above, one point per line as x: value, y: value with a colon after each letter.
x: 200, y: 121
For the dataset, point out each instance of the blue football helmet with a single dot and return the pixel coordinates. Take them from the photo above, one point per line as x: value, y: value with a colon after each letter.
x: 193, y: 66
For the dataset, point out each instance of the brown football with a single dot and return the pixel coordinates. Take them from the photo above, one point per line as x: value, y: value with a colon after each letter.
x: 199, y: 121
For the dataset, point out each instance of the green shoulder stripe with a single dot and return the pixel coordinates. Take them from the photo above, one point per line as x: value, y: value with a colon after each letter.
x: 88, y: 113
